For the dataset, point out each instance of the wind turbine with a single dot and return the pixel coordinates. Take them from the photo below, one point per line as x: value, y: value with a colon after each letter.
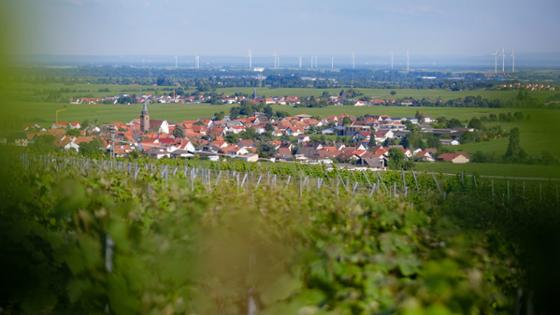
x: 407, y: 60
x: 503, y: 60
x: 250, y: 55
x: 300, y: 62
x: 495, y: 54
x: 332, y: 63
x: 392, y: 60
x: 512, y: 61
x: 353, y: 60
x: 176, y: 62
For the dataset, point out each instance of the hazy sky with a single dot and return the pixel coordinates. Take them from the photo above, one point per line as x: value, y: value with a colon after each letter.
x: 230, y: 27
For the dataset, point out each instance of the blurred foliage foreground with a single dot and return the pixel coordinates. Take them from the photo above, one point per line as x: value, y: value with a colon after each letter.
x: 107, y: 244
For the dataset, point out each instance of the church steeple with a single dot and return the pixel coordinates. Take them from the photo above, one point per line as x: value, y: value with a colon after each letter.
x: 145, y: 118
x: 145, y: 108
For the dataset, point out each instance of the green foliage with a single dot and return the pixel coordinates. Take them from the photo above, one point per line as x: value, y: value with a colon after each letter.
x: 73, y: 132
x: 231, y: 138
x: 266, y: 150
x: 398, y: 161
x: 218, y: 116
x: 475, y: 123
x: 454, y: 123
x: 43, y: 143
x: 93, y: 148
x: 514, y: 151
x: 187, y: 247
x: 179, y: 132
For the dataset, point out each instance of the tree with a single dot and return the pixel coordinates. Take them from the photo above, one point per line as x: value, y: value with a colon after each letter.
x: 249, y: 133
x: 266, y: 150
x: 476, y: 124
x: 514, y: 151
x: 179, y: 132
x: 85, y: 124
x: 268, y: 112
x: 231, y: 138
x: 43, y: 143
x: 218, y: 116
x: 454, y: 123
x: 269, y: 127
x: 73, y: 132
x: 372, y: 142
x: 393, y: 92
x: 398, y: 161
x: 346, y: 121
x: 92, y: 148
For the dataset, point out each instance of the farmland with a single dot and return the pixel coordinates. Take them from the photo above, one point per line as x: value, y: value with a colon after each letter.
x: 72, y: 90
x: 503, y: 95
x: 493, y: 169
x: 45, y: 112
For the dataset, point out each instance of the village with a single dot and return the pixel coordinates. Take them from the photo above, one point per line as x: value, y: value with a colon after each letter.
x: 200, y: 97
x: 355, y: 142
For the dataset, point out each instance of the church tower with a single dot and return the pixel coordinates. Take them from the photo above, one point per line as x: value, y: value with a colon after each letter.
x: 145, y: 118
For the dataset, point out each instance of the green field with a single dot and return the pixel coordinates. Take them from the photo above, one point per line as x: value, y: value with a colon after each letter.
x: 73, y: 90
x: 69, y: 91
x: 45, y: 112
x: 461, y: 113
x: 538, y: 134
x: 493, y: 169
x: 384, y: 93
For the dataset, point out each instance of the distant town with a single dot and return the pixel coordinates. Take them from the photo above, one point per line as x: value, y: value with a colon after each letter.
x: 368, y: 141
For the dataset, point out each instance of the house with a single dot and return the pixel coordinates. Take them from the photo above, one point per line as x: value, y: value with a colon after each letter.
x: 373, y: 161
x: 186, y: 145
x: 122, y: 150
x: 449, y: 142
x: 71, y: 145
x: 360, y: 103
x: 233, y: 150
x: 59, y: 125
x: 158, y: 153
x: 21, y: 142
x: 181, y: 154
x: 423, y: 155
x: 407, y: 153
x: 249, y: 157
x: 382, y: 135
x: 246, y: 143
x: 159, y: 126
x: 303, y: 139
x: 455, y: 158
x: 284, y: 153
x: 74, y: 125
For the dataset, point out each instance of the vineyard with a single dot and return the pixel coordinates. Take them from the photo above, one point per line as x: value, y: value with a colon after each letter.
x: 143, y: 237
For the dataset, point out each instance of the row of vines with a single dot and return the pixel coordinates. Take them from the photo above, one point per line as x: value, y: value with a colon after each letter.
x: 85, y: 238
